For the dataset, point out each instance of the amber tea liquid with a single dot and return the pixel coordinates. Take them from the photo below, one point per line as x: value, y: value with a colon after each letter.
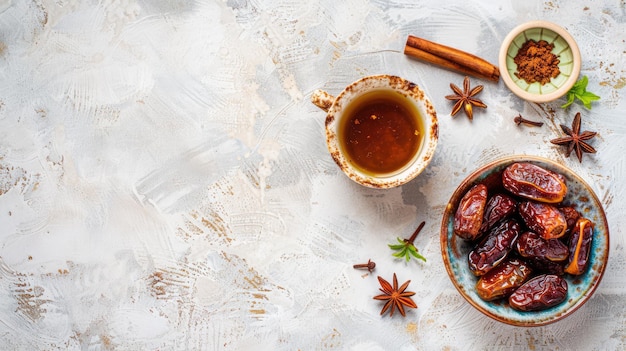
x: 382, y: 133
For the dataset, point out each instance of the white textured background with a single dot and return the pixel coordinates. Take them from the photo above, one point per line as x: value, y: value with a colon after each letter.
x: 165, y: 184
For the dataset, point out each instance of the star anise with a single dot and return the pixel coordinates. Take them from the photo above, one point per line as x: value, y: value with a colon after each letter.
x: 575, y: 139
x: 465, y: 98
x: 395, y: 297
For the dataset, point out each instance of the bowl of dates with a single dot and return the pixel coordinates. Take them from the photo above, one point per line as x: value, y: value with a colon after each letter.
x: 525, y: 240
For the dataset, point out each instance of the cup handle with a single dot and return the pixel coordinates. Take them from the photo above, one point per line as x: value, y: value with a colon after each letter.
x: 322, y: 99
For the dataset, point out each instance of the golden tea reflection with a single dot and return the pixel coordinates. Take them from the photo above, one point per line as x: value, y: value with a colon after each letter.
x: 382, y: 132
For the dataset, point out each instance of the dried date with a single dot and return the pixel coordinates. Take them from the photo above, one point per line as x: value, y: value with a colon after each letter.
x: 499, y: 207
x: 531, y: 245
x: 541, y: 265
x: 503, y: 279
x: 533, y: 182
x: 494, y: 248
x: 544, y: 219
x: 580, y: 247
x: 571, y: 217
x: 539, y: 293
x: 469, y: 215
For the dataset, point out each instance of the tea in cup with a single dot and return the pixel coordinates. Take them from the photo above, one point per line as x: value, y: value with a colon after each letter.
x: 381, y: 130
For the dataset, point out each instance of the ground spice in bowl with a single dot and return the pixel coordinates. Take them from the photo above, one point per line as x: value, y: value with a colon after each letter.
x: 536, y: 62
x: 539, y: 71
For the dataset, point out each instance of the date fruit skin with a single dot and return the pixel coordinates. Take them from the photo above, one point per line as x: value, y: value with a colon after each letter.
x: 532, y: 245
x: 540, y: 292
x: 544, y: 219
x: 494, y: 248
x: 533, y: 182
x: 543, y: 266
x: 499, y: 207
x: 571, y: 217
x: 580, y: 247
x: 503, y: 279
x: 469, y: 215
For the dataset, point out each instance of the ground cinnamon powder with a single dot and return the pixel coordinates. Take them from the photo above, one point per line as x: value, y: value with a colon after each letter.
x: 536, y: 62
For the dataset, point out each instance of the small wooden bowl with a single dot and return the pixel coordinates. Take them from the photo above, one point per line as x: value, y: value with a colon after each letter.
x: 564, y: 46
x: 580, y: 288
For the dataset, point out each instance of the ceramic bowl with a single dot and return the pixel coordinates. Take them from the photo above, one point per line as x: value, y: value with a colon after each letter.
x: 565, y: 48
x: 580, y: 288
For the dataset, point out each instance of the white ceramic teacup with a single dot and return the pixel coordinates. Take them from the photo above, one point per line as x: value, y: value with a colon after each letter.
x: 414, y: 112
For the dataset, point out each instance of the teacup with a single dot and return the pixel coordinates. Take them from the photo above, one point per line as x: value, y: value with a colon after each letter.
x: 381, y: 130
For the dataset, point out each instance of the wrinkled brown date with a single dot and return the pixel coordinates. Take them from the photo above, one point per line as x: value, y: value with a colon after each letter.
x: 503, y: 279
x: 499, y: 207
x: 571, y: 217
x: 531, y: 245
x: 539, y: 293
x: 469, y: 215
x: 494, y: 248
x: 544, y: 219
x: 544, y: 266
x: 579, y: 247
x: 534, y: 182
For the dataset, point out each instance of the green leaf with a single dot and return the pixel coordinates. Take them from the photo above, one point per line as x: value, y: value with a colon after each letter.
x: 587, y: 98
x: 413, y: 251
x: 570, y: 100
x: 400, y: 254
x: 418, y: 256
x: 579, y: 91
x: 396, y: 247
x: 581, y: 84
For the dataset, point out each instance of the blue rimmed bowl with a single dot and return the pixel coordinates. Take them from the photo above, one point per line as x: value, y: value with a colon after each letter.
x: 580, y: 288
x: 565, y: 48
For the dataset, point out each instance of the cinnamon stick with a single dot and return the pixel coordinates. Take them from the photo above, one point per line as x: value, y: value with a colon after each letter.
x: 450, y: 58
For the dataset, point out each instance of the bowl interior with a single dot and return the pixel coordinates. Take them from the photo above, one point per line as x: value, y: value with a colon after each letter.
x: 561, y: 48
x: 580, y: 288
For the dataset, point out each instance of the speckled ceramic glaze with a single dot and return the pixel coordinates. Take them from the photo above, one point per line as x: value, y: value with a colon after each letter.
x: 455, y: 250
x: 565, y: 48
x: 335, y: 106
